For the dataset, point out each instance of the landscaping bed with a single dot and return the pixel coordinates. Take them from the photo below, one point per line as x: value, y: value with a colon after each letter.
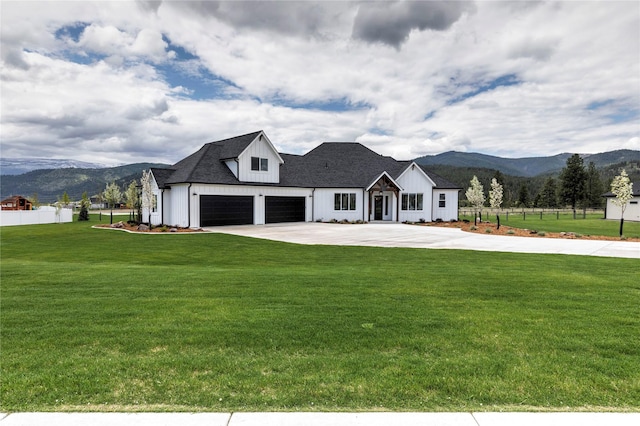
x: 492, y: 229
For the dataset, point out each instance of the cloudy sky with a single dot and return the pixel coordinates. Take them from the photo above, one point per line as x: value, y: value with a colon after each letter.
x: 119, y: 82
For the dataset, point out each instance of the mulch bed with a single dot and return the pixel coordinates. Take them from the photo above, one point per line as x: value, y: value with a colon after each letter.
x: 490, y: 228
x: 143, y: 229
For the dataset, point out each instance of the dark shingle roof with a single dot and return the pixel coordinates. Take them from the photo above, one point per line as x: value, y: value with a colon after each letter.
x: 440, y: 182
x: 337, y: 164
x: 206, y: 165
x: 635, y: 190
x: 161, y: 176
x: 330, y: 165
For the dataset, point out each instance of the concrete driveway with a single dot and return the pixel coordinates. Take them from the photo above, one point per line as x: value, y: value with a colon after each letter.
x: 402, y: 235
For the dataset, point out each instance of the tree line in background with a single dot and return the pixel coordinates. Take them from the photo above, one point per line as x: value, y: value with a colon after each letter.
x: 576, y: 186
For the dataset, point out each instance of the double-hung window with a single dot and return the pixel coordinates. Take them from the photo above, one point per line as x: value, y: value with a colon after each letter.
x: 259, y: 164
x: 344, y: 201
x: 442, y: 201
x: 412, y: 201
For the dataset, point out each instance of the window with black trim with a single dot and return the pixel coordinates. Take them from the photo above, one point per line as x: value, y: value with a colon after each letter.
x: 412, y: 201
x: 344, y: 201
x: 259, y: 164
x: 442, y: 201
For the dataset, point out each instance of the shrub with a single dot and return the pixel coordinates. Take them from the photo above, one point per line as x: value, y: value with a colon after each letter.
x: 84, y: 214
x: 510, y: 232
x: 488, y: 230
x: 473, y: 228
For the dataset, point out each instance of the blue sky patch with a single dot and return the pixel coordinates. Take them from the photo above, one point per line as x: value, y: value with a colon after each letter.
x: 502, y: 81
x: 72, y: 32
x: 331, y: 105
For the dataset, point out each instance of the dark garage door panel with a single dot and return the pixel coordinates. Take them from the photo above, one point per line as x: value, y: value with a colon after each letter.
x: 220, y: 210
x: 285, y: 209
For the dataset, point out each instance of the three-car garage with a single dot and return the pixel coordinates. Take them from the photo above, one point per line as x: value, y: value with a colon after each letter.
x: 221, y: 210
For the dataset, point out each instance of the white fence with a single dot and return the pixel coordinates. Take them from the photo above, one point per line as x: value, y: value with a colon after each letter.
x: 34, y: 217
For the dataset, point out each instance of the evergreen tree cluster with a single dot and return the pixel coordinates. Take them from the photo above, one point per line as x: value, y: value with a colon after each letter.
x: 577, y: 186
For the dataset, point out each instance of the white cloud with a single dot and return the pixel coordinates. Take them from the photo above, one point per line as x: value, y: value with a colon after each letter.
x: 502, y: 78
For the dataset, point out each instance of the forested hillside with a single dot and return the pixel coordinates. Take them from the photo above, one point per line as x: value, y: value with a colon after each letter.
x: 50, y: 184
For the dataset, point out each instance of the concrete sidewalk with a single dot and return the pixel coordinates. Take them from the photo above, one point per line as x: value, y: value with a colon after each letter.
x: 320, y: 419
x: 402, y: 235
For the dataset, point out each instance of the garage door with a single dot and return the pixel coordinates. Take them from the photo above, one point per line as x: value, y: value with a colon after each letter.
x: 285, y: 209
x: 219, y: 210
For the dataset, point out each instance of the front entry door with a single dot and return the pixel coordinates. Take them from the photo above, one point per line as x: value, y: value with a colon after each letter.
x: 377, y: 207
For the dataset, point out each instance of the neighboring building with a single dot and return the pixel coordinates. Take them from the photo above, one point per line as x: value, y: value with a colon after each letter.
x: 631, y: 212
x: 98, y: 203
x: 16, y: 203
x: 244, y: 180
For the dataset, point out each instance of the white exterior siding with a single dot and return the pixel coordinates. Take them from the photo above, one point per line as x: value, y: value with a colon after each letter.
x: 631, y: 212
x: 179, y: 207
x: 450, y: 209
x: 164, y: 206
x: 259, y: 149
x: 414, y: 181
x: 324, y: 207
x: 156, y: 216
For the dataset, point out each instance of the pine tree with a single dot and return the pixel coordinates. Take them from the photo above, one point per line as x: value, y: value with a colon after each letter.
x: 573, y: 178
x: 84, y: 207
x: 549, y: 194
x: 523, y: 196
x: 594, y: 188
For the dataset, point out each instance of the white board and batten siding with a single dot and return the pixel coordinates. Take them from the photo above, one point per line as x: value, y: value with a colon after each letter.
x: 324, y: 205
x: 450, y: 209
x: 415, y: 181
x: 260, y: 149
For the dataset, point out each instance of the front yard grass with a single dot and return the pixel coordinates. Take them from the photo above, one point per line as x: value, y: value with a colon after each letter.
x: 102, y: 320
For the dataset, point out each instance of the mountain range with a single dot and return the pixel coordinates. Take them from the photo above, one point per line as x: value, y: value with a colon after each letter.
x: 50, y: 184
x: 49, y: 179
x: 526, y: 167
x: 18, y: 166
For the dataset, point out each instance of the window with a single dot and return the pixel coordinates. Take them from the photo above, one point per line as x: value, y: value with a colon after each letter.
x: 154, y: 203
x: 442, y: 202
x: 259, y: 164
x: 412, y: 201
x: 344, y: 201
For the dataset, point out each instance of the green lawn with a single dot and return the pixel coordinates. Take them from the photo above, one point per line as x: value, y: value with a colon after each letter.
x: 104, y: 320
x: 593, y: 224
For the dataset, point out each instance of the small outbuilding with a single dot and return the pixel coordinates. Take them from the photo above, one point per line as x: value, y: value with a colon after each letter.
x: 16, y: 202
x: 631, y: 212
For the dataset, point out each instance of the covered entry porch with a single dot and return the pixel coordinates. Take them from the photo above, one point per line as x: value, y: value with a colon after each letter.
x: 384, y: 199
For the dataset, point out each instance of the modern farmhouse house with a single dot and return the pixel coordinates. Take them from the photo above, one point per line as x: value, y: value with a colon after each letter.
x: 245, y: 180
